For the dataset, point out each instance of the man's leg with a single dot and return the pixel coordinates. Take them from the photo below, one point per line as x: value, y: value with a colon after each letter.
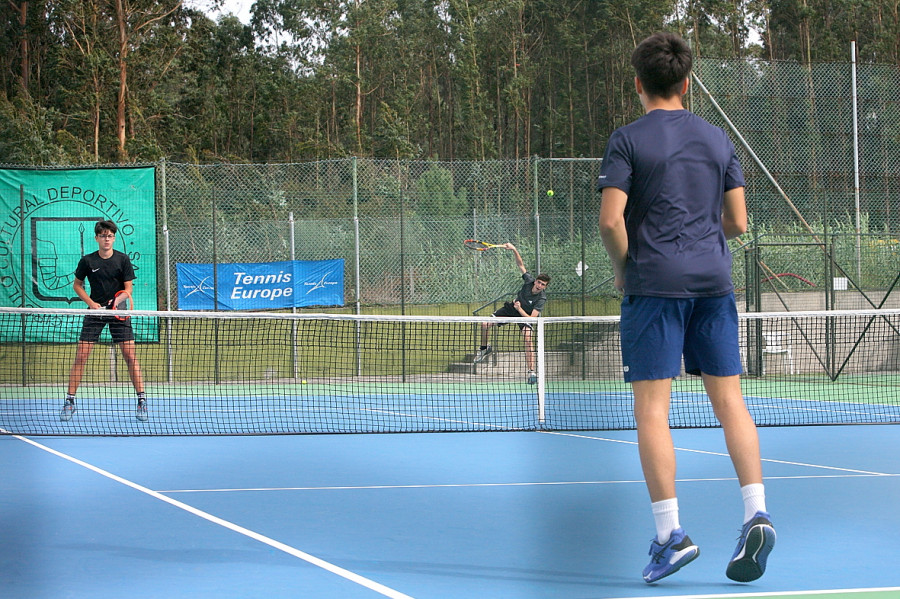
x: 672, y: 549
x: 757, y: 535
x: 134, y: 367
x: 741, y: 437
x: 485, y: 349
x: 137, y: 379
x: 657, y: 451
x: 528, y: 339
x: 82, y: 353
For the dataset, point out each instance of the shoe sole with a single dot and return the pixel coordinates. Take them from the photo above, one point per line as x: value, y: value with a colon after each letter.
x: 66, y: 416
x: 679, y: 566
x: 760, y: 542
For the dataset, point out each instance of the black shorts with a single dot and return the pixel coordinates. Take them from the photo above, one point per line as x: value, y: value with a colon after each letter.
x: 509, y: 310
x: 93, y: 326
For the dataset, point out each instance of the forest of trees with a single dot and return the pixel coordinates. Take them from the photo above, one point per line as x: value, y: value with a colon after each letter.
x: 103, y: 81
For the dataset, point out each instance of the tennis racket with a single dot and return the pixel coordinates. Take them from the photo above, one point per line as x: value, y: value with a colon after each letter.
x: 480, y: 246
x: 121, y: 304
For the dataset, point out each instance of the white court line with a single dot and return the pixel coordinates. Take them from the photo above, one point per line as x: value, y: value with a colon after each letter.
x: 781, y: 593
x: 520, y: 484
x: 720, y: 454
x: 311, y: 559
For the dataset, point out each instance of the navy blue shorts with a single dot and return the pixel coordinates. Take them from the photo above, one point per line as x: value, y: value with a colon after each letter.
x: 120, y: 330
x: 658, y: 331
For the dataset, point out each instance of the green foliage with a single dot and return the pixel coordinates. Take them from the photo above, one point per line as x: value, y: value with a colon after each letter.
x: 396, y: 79
x: 27, y: 135
x: 436, y: 196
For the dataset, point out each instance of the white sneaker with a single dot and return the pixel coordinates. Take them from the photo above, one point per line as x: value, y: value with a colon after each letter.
x: 481, y: 354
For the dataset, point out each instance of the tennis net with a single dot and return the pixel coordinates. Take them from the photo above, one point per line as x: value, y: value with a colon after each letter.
x: 273, y: 373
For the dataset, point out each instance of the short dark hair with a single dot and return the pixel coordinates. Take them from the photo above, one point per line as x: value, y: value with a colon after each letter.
x: 105, y: 225
x: 543, y: 277
x: 662, y: 62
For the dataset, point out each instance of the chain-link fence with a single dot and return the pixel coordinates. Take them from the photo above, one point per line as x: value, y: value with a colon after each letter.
x: 798, y: 122
x: 400, y: 226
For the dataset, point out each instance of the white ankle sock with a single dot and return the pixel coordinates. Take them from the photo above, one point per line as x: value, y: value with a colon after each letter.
x: 754, y: 500
x: 665, y: 513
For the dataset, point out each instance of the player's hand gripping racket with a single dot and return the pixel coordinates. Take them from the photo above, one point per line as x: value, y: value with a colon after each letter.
x: 480, y: 246
x: 121, y: 304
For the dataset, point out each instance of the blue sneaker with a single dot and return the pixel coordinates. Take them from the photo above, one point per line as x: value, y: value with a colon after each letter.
x: 756, y: 542
x: 667, y: 559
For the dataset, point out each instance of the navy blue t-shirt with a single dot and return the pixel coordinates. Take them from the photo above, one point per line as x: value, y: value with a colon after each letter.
x: 675, y: 168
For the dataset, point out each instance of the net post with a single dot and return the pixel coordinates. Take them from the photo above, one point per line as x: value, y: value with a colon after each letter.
x: 541, y: 373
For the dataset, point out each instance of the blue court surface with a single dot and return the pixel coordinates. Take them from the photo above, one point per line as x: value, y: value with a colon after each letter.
x: 501, y: 514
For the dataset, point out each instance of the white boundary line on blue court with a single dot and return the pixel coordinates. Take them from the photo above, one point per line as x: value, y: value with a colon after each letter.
x: 311, y: 559
x: 562, y: 483
x: 823, y: 593
x: 722, y: 454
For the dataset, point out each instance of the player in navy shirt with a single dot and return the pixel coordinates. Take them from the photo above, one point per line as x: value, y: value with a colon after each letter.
x: 673, y: 192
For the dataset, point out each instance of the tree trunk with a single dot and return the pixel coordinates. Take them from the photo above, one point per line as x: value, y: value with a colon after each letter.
x: 123, y: 80
x: 25, y: 61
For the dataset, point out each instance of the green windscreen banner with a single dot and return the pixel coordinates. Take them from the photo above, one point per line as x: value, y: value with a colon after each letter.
x: 47, y: 220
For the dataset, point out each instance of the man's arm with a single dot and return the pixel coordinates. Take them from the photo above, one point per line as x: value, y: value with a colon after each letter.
x: 80, y: 291
x: 518, y: 306
x: 519, y: 262
x: 734, y: 213
x: 613, y: 232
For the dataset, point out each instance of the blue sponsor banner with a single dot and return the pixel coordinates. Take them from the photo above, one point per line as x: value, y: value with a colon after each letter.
x: 261, y: 286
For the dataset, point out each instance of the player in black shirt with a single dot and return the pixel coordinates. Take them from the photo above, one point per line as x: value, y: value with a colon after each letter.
x: 529, y: 302
x: 108, y: 271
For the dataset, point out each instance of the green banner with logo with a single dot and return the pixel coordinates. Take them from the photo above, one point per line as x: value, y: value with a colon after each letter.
x: 47, y: 222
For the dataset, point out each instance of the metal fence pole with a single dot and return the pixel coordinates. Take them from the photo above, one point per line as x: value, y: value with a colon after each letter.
x: 295, y: 357
x: 170, y: 358
x: 215, y: 264
x: 855, y: 134
x: 356, y: 257
x: 537, y: 221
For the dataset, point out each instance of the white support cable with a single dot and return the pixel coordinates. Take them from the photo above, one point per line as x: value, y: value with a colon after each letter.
x: 885, y: 312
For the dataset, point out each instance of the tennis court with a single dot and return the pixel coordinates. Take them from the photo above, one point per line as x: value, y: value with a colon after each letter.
x: 513, y: 514
x: 537, y: 491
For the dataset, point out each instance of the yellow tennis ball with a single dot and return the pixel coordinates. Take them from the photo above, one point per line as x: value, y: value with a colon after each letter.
x: 303, y: 382
x: 550, y: 192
